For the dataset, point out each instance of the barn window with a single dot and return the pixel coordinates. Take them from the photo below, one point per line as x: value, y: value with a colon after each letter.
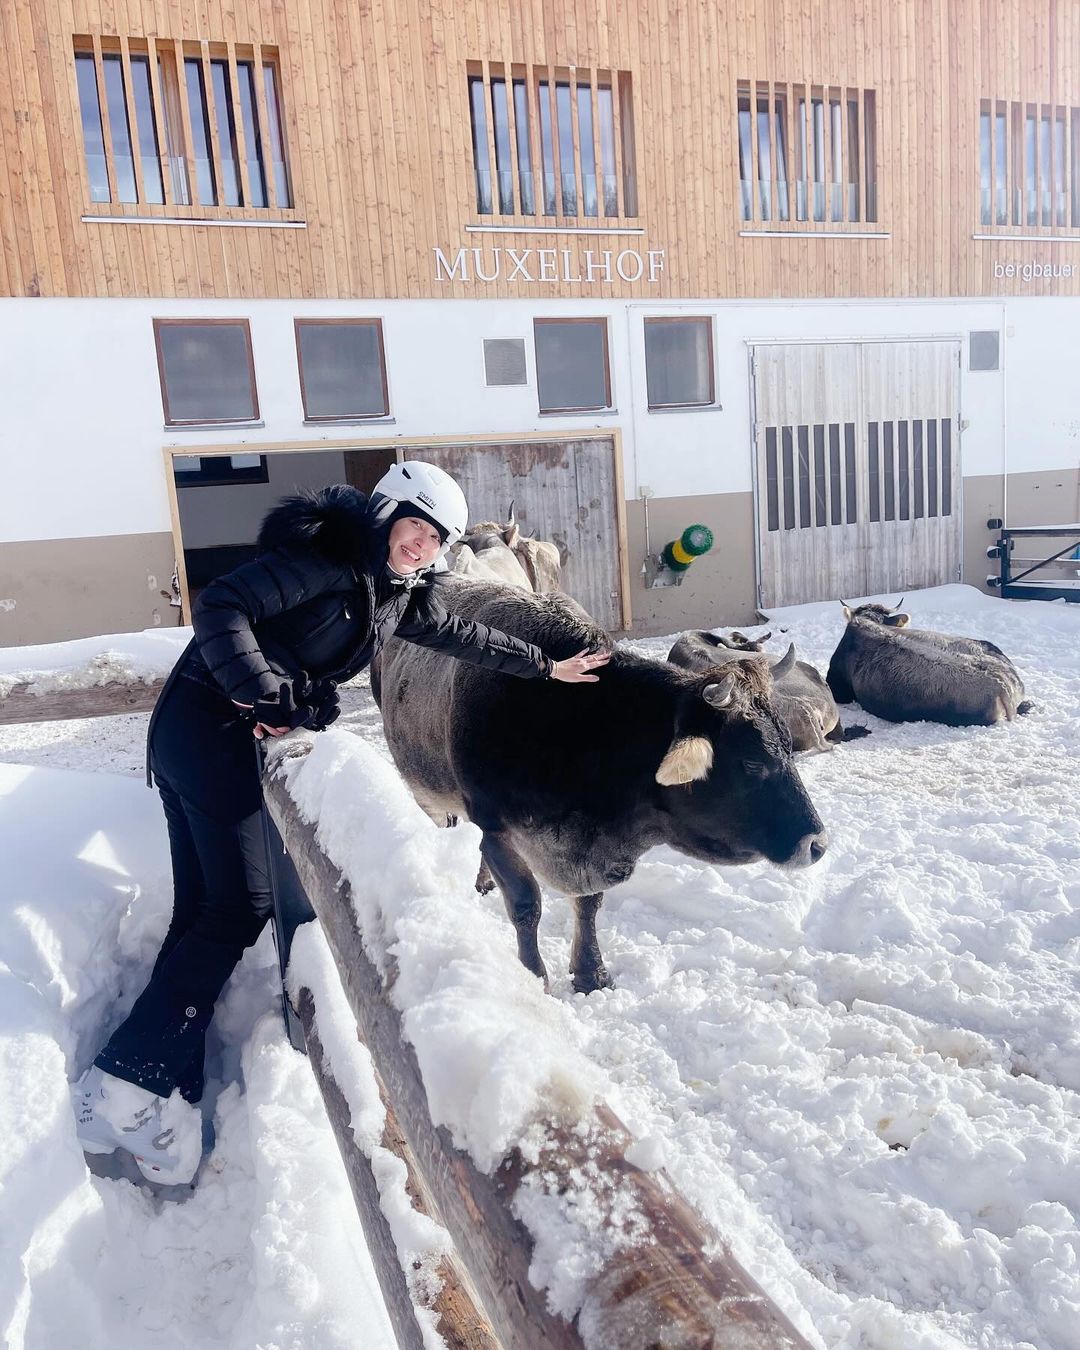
x: 182, y: 124
x: 807, y: 153
x: 572, y: 370
x: 679, y: 363
x: 1029, y: 164
x: 219, y: 470
x: 552, y: 141
x: 207, y: 371
x: 342, y: 368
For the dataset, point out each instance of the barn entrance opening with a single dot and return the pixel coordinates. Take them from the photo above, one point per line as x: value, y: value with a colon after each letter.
x: 221, y: 499
x: 568, y: 491
x: 857, y: 468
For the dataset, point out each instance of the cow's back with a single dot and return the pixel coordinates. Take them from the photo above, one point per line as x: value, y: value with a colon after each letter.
x: 904, y: 677
x: 435, y: 707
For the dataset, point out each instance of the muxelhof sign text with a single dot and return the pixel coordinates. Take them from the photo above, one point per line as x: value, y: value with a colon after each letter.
x: 549, y: 265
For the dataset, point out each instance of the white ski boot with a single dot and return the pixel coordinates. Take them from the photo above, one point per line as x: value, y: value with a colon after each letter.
x: 162, y: 1134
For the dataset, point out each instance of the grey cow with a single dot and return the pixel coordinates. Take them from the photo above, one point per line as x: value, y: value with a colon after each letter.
x: 914, y: 675
x: 570, y: 784
x: 491, y: 552
x: 800, y: 693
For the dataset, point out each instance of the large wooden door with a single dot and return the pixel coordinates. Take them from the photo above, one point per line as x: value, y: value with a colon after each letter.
x: 566, y: 491
x: 858, y: 483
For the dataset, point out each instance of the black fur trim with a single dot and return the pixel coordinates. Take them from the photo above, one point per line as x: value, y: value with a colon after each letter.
x: 334, y: 520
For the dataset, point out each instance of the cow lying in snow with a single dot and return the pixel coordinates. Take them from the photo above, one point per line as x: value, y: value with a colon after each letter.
x: 571, y: 784
x: 491, y: 552
x: 914, y: 675
x: 801, y: 696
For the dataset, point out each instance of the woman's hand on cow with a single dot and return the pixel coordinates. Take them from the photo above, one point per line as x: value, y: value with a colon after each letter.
x: 576, y: 669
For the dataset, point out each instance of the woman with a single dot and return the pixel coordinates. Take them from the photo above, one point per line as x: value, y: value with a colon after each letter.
x: 335, y: 575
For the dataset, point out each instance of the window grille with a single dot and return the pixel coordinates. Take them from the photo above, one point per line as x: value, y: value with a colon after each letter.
x: 807, y: 154
x: 1029, y: 164
x: 182, y: 124
x: 550, y: 141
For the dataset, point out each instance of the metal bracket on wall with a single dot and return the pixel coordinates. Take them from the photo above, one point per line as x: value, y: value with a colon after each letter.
x: 657, y: 573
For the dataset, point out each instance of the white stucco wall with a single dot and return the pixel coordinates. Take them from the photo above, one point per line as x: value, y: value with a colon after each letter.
x: 82, y: 429
x: 1043, y: 383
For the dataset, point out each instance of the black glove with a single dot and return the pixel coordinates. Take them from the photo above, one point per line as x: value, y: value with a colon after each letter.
x: 321, y: 697
x: 285, y: 710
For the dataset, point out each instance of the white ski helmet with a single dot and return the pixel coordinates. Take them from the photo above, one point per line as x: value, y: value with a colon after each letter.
x: 427, y: 487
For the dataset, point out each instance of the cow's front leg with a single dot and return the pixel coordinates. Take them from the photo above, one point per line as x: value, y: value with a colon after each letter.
x: 521, y: 895
x: 586, y: 964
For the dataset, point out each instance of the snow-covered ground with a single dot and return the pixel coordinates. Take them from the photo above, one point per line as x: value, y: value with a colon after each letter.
x: 865, y: 1075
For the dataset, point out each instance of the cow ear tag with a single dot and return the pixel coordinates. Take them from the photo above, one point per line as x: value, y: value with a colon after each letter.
x: 689, y: 759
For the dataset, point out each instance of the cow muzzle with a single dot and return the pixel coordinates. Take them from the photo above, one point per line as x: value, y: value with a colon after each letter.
x: 809, y: 850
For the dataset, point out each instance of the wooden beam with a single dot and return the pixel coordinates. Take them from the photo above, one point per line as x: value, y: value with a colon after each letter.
x: 665, y: 1291
x: 103, y: 700
x: 460, y: 1323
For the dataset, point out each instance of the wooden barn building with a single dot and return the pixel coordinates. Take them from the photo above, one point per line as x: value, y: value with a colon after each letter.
x: 805, y: 273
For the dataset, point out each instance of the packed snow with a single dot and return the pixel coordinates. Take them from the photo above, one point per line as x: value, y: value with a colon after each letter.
x: 84, y: 663
x: 864, y: 1075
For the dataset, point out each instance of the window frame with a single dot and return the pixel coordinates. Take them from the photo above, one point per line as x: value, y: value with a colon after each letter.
x: 824, y: 136
x: 1028, y: 151
x: 254, y: 114
x: 324, y: 322
x: 658, y: 319
x: 576, y: 319
x: 230, y: 477
x: 519, y: 115
x: 245, y: 324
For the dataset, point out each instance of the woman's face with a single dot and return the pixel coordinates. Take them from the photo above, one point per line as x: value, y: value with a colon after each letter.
x: 413, y: 545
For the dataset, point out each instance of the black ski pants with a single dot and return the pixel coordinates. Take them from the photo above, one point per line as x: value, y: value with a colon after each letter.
x: 202, y: 755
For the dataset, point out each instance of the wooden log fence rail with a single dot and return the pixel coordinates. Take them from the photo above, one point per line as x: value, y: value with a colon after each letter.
x: 670, y: 1284
x: 22, y: 704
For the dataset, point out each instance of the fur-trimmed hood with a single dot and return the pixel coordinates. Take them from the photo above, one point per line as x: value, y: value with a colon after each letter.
x: 335, y: 520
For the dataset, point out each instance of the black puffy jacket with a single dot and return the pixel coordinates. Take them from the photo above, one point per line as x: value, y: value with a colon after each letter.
x: 319, y: 598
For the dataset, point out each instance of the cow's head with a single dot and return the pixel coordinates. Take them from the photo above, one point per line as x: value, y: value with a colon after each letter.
x: 729, y: 782
x: 740, y: 642
x: 879, y: 614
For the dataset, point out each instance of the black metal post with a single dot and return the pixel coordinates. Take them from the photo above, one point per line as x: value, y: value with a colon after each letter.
x: 291, y: 909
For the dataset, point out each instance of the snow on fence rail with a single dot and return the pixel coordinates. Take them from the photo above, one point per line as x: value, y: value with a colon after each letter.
x: 88, y: 677
x: 568, y: 1242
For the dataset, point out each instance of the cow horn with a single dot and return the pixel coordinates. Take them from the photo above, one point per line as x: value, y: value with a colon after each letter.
x: 719, y: 695
x: 510, y: 514
x: 896, y: 607
x: 786, y: 663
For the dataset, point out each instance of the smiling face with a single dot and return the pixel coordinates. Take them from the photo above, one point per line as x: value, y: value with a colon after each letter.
x: 413, y: 544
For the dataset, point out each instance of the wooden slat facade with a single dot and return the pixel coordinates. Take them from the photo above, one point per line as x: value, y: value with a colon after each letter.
x: 376, y: 121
